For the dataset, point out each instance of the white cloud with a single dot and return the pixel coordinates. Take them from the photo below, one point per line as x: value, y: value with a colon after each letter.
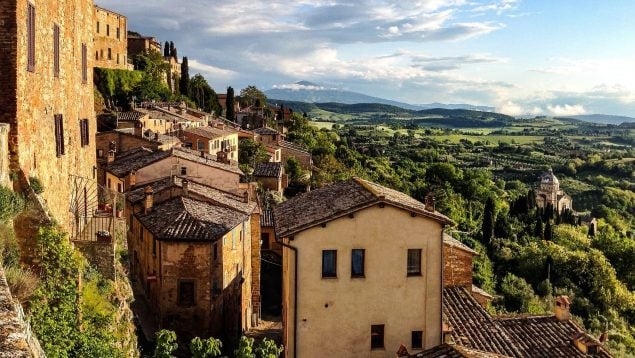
x: 566, y: 110
x: 300, y: 87
x: 210, y: 70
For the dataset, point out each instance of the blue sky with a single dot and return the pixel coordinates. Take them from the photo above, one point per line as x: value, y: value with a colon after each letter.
x: 536, y: 57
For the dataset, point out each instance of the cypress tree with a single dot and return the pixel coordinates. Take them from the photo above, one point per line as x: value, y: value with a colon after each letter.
x: 172, y: 49
x: 166, y: 49
x: 229, y: 104
x: 488, y: 221
x: 176, y: 57
x: 548, y: 231
x: 531, y: 200
x: 184, y: 81
x: 538, y: 229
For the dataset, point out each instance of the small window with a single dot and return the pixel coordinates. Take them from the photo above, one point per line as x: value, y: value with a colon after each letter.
x: 417, y: 339
x: 84, y: 64
x: 97, y: 26
x: 107, y: 30
x: 56, y: 51
x: 118, y: 33
x: 329, y: 263
x: 109, y: 53
x: 84, y: 132
x: 414, y: 262
x: 357, y: 263
x: 264, y: 237
x: 30, y: 28
x: 183, y: 170
x: 118, y: 61
x: 186, y: 293
x: 100, y: 153
x: 59, y: 135
x: 377, y: 336
x: 109, y: 184
x: 119, y: 187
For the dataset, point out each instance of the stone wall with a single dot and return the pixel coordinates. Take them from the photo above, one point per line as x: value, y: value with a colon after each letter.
x: 100, y: 255
x: 16, y: 340
x: 5, y: 179
x: 457, y: 267
x: 256, y: 300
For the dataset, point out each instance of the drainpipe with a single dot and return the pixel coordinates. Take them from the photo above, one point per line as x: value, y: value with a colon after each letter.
x: 295, y: 293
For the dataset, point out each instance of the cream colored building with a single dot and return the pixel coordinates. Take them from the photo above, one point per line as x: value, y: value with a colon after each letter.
x: 362, y: 271
x: 111, y: 39
x: 549, y: 193
x: 212, y: 140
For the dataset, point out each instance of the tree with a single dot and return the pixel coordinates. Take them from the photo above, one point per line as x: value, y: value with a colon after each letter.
x: 205, y: 348
x: 548, y: 231
x: 166, y: 344
x: 294, y: 170
x: 153, y: 64
x: 229, y: 104
x: 203, y: 94
x: 489, y: 217
x: 245, y: 348
x: 268, y: 349
x: 166, y: 49
x: 250, y: 94
x: 538, y: 229
x: 184, y: 81
x: 172, y: 52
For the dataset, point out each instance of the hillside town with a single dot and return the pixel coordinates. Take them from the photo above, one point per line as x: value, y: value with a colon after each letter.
x: 205, y: 223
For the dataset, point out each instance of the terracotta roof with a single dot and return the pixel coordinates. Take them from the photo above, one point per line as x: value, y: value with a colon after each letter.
x: 130, y: 116
x: 265, y: 131
x: 291, y: 145
x: 216, y: 196
x: 124, y: 164
x: 190, y: 220
x: 268, y: 169
x: 266, y: 220
x: 454, y: 351
x: 515, y: 336
x: 449, y: 240
x: 335, y: 200
x: 472, y: 326
x: 208, y: 132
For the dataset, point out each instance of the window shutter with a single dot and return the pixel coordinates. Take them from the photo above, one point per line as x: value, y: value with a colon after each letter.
x: 59, y: 135
x: 56, y: 50
x: 31, y: 38
x: 84, y: 64
x: 83, y: 132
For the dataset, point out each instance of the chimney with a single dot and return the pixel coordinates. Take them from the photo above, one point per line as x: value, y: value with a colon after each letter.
x: 111, y: 156
x: 132, y: 179
x: 148, y: 195
x: 185, y: 185
x: 402, y: 352
x: 429, y: 202
x: 138, y: 129
x: 561, y: 308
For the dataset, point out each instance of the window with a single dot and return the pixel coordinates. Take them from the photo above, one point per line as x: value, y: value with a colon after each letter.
x: 186, y: 293
x: 417, y: 339
x: 118, y: 61
x: 30, y: 28
x: 100, y: 153
x: 56, y: 50
x: 118, y: 33
x: 84, y: 64
x: 97, y: 26
x: 357, y: 263
x: 183, y: 170
x: 83, y: 132
x: 377, y: 336
x: 414, y: 262
x: 119, y: 187
x: 109, y: 184
x: 59, y: 135
x: 107, y: 30
x: 96, y: 55
x: 109, y: 53
x: 264, y: 237
x: 329, y: 263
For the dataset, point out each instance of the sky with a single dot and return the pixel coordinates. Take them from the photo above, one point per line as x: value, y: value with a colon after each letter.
x: 524, y: 57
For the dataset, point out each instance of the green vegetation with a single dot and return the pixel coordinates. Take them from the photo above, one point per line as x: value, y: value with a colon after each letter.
x: 36, y: 185
x: 206, y: 348
x: 11, y: 203
x: 166, y: 344
x: 483, y: 181
x: 211, y: 347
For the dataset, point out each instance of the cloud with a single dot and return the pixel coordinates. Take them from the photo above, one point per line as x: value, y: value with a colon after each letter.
x: 566, y: 110
x: 210, y: 70
x: 300, y: 87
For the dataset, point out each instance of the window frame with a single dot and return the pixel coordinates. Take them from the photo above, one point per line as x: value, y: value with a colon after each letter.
x: 332, y: 274
x: 413, y: 335
x: 377, y: 330
x: 363, y: 271
x: 179, y: 292
x: 84, y: 132
x: 84, y: 63
x: 418, y: 271
x: 59, y: 134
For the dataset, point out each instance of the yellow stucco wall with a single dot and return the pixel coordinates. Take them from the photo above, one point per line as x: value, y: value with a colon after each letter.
x: 386, y: 295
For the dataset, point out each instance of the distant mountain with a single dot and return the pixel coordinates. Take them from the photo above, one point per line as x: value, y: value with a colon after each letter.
x: 305, y: 91
x: 602, y: 118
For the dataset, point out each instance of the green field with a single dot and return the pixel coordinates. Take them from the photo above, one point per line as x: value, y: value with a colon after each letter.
x: 493, y: 139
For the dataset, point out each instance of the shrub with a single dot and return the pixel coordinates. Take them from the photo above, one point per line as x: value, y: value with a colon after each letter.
x: 11, y: 204
x: 22, y: 283
x: 36, y: 185
x: 205, y: 348
x: 166, y: 344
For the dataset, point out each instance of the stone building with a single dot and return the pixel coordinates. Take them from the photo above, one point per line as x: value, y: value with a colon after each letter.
x: 111, y: 39
x: 173, y: 74
x: 271, y: 176
x: 362, y: 270
x: 548, y: 193
x: 47, y: 95
x: 138, y: 44
x: 195, y: 268
x: 212, y: 140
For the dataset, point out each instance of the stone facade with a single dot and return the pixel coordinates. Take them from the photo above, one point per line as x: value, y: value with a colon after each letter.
x: 548, y: 193
x: 5, y: 179
x: 34, y: 93
x: 139, y: 44
x: 111, y: 39
x: 101, y: 255
x: 457, y: 266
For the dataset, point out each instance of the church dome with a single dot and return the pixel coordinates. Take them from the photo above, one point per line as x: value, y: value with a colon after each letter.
x: 550, y: 178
